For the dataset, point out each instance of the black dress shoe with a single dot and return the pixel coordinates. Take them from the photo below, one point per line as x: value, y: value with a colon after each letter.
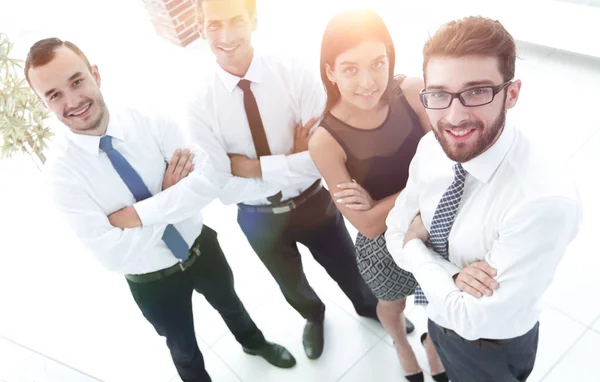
x: 274, y: 354
x: 312, y: 339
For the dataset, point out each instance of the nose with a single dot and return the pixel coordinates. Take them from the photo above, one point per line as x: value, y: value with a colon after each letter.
x: 366, y: 80
x: 456, y: 113
x: 228, y: 35
x: 71, y: 100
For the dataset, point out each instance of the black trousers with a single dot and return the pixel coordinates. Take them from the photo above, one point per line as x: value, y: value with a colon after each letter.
x: 167, y: 305
x: 486, y: 360
x: 318, y: 225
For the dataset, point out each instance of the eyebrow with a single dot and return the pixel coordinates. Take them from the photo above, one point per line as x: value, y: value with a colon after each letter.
x: 77, y: 74
x: 354, y: 63
x: 465, y: 85
x: 220, y: 21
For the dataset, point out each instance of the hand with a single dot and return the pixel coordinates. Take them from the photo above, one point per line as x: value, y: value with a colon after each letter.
x: 354, y: 196
x: 477, y: 279
x: 180, y: 166
x: 303, y: 134
x: 125, y: 218
x: 416, y: 230
x: 245, y: 167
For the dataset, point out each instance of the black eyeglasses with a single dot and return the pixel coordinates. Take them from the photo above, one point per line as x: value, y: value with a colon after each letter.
x: 473, y: 97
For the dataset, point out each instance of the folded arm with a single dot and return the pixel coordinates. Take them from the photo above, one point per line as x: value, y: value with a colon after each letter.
x: 113, y: 247
x: 233, y: 189
x: 531, y: 243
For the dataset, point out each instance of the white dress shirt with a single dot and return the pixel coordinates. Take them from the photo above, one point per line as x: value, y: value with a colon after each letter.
x: 286, y: 94
x: 86, y: 189
x: 518, y: 213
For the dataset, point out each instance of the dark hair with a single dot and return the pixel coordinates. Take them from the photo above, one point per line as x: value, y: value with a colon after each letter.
x: 42, y: 52
x: 474, y: 35
x: 345, y: 31
x: 250, y: 6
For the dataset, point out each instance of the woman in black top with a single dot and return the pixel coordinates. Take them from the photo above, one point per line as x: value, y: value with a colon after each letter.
x: 370, y: 130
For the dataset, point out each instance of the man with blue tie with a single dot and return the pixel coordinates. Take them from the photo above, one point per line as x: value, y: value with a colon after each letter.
x: 135, y: 199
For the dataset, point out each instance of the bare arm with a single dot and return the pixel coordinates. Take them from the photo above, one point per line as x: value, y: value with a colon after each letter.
x: 330, y: 159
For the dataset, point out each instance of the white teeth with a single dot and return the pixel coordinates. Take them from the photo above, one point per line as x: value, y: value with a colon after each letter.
x: 366, y: 94
x: 460, y: 133
x: 81, y: 111
x: 229, y: 49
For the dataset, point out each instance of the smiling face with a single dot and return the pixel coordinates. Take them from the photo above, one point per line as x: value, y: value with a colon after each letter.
x: 466, y: 132
x: 361, y: 74
x: 71, y: 90
x: 227, y: 26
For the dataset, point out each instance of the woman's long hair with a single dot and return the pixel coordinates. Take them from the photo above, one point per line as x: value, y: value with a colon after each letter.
x: 345, y: 31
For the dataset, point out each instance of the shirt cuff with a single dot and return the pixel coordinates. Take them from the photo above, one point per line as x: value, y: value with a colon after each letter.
x: 272, y: 167
x: 433, y: 272
x: 148, y: 211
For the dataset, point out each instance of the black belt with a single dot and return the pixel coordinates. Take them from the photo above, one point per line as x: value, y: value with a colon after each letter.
x: 480, y: 343
x: 179, y: 267
x: 285, y: 206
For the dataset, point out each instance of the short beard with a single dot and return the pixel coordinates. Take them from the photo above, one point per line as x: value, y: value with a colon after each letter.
x: 95, y: 124
x: 461, y: 153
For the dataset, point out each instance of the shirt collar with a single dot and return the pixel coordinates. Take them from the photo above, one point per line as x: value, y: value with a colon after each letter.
x: 254, y: 73
x: 91, y: 143
x: 483, y: 166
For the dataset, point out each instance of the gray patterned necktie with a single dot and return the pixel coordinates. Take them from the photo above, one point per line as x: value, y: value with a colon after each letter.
x: 442, y: 221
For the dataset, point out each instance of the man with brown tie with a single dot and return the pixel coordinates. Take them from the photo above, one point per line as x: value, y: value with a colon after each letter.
x: 253, y: 116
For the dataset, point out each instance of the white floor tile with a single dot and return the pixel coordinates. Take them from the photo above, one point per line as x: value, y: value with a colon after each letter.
x: 217, y: 369
x: 572, y: 291
x: 19, y: 364
x: 596, y: 325
x: 366, y: 369
x: 580, y: 363
x: 346, y: 341
x: 557, y: 334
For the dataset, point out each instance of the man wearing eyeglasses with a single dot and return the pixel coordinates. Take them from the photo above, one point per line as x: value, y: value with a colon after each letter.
x: 484, y: 220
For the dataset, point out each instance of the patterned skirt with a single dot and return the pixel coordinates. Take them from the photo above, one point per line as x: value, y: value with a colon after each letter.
x: 387, y: 281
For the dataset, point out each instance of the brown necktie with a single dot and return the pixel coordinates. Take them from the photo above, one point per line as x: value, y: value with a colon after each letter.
x: 259, y: 137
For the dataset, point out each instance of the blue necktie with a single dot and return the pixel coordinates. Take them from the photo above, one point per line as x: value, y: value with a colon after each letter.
x: 134, y: 182
x: 442, y: 221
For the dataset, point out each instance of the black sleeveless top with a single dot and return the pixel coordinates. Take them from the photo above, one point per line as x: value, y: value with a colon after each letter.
x: 378, y: 159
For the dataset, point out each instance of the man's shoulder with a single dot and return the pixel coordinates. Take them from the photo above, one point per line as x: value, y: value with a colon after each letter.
x: 60, y: 159
x: 285, y: 64
x: 535, y: 173
x: 205, y: 88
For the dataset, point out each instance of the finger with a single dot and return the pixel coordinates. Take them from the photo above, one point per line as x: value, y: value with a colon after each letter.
x: 173, y: 162
x: 475, y: 284
x: 350, y: 200
x: 181, y: 164
x: 358, y: 207
x: 342, y: 194
x: 310, y: 123
x: 304, y: 131
x: 484, y: 266
x: 482, y: 277
x: 298, y: 131
x: 349, y: 185
x: 468, y: 289
x: 187, y: 168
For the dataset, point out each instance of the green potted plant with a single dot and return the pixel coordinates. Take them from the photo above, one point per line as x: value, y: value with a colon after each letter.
x: 22, y: 116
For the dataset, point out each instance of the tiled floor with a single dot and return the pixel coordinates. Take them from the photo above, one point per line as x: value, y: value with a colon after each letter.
x: 59, y: 312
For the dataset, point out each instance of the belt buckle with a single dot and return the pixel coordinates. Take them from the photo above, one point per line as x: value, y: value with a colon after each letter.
x: 183, y: 265
x: 287, y: 208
